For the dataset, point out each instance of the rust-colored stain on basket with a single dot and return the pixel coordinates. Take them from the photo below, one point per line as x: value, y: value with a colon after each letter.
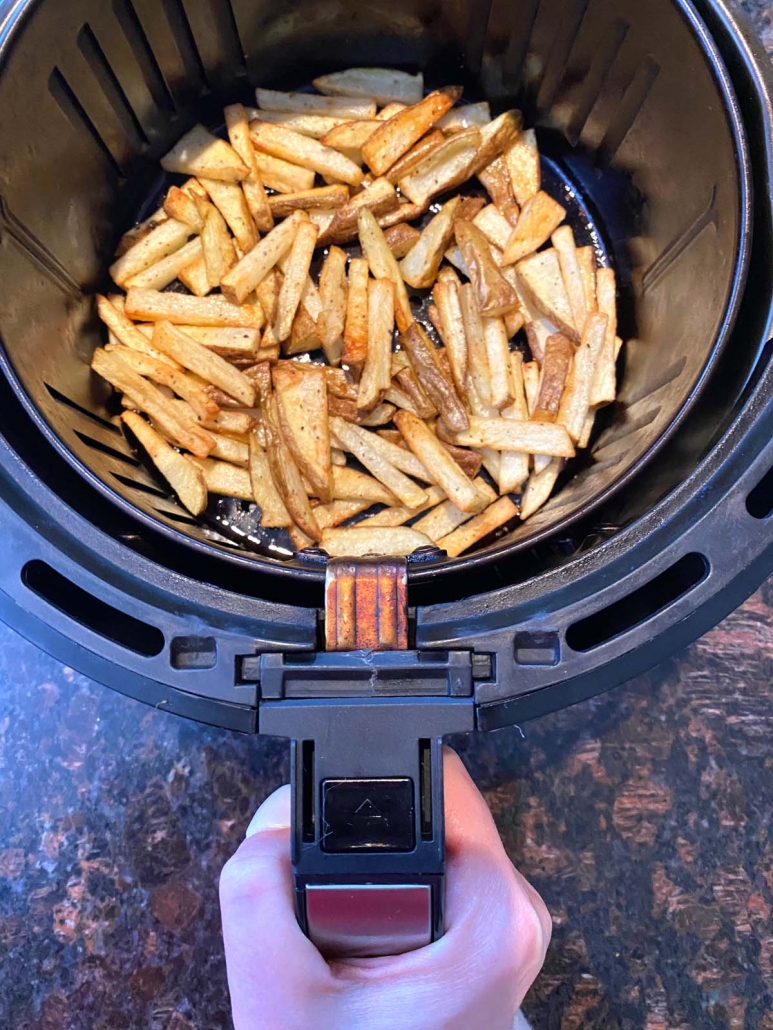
x: 366, y: 604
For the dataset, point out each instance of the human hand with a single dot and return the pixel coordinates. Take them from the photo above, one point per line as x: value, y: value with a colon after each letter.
x: 474, y: 978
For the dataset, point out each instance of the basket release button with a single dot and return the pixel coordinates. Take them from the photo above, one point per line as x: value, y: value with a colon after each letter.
x: 368, y: 815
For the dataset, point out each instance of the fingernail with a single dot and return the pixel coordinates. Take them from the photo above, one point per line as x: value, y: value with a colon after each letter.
x: 273, y: 814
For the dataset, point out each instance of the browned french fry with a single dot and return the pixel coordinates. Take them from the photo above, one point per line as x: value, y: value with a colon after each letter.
x: 478, y: 372
x: 183, y: 475
x: 393, y: 138
x: 494, y: 226
x: 148, y: 398
x: 283, y: 176
x: 445, y: 472
x: 379, y: 197
x: 201, y: 153
x: 363, y: 449
x: 415, y: 155
x: 123, y: 329
x: 165, y: 239
x: 217, y: 247
x: 576, y: 398
x: 503, y: 434
x: 446, y: 294
x: 462, y: 539
x: 522, y: 157
x: 540, y: 218
x: 514, y: 465
x: 322, y: 198
x: 168, y: 269
x: 139, y: 232
x: 377, y: 371
x: 494, y: 294
x: 404, y: 212
x: 383, y: 264
x: 304, y: 336
x: 392, y: 109
x: 495, y: 136
x: 274, y: 513
x: 438, y: 387
x: 231, y: 202
x: 255, y: 266
x: 345, y: 107
x: 357, y: 541
x: 420, y: 268
x: 164, y: 373
x: 397, y: 397
x: 541, y: 279
x: 381, y: 85
x: 556, y: 367
x: 447, y: 166
x: 304, y: 151
x: 349, y: 137
x: 303, y: 417
x: 539, y: 488
x: 498, y: 352
x: 181, y: 206
x: 391, y: 517
x: 401, y: 239
x: 604, y: 388
x: 351, y: 485
x: 152, y: 306
x: 496, y: 180
x: 421, y: 405
x: 238, y: 127
x: 295, y: 278
x: 586, y: 258
x: 286, y: 475
x: 203, y: 362
x: 465, y: 117
x: 307, y: 124
x: 194, y: 277
x: 379, y: 416
x: 563, y: 242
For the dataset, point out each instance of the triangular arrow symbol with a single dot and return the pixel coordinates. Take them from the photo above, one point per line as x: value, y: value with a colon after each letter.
x: 368, y: 810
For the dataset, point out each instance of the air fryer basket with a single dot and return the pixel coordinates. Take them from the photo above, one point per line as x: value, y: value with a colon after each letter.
x: 636, y: 119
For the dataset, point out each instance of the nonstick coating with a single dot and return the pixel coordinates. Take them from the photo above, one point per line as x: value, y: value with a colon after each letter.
x: 637, y: 125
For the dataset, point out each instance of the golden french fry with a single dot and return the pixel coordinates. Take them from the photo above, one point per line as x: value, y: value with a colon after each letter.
x: 224, y: 479
x: 604, y: 388
x: 413, y: 157
x: 479, y: 374
x: 514, y: 465
x: 284, y: 470
x: 531, y: 384
x: 462, y: 539
x: 379, y: 197
x: 446, y: 517
x: 586, y: 258
x: 165, y: 239
x: 303, y: 417
x: 245, y: 276
x: 168, y: 269
x: 236, y: 423
x: 183, y: 475
x: 349, y: 137
x: 233, y: 344
x: 229, y: 449
x: 123, y: 329
x: 195, y: 278
x: 322, y: 219
x: 494, y: 294
x: 446, y: 294
x: 391, y: 517
x: 296, y: 274
x: 165, y: 374
x: 139, y: 232
x: 436, y: 383
x: 181, y: 206
x: 401, y: 239
x: 576, y: 397
x: 217, y: 312
x: 314, y: 125
x: 563, y: 242
x: 364, y: 450
x: 392, y: 109
x: 330, y: 515
x: 466, y: 117
x: 148, y: 398
x: 400, y: 457
x: 541, y: 279
x: 357, y: 541
x: 304, y: 151
x: 404, y: 212
x: 283, y: 176
x: 587, y: 429
x: 377, y: 371
x: 231, y: 202
x: 379, y: 416
x: 254, y: 192
x: 498, y: 352
x: 333, y: 296
x: 217, y: 247
x: 381, y: 85
x: 495, y: 136
x: 338, y: 457
x: 321, y: 199
x: 396, y: 136
x: 539, y: 488
x: 203, y: 362
x: 496, y: 180
x: 445, y: 167
x: 421, y: 267
x: 494, y: 226
x: 344, y: 107
x: 383, y: 265
x: 351, y: 485
x: 274, y: 513
x: 556, y: 367
x: 540, y: 217
x: 445, y: 472
x: 201, y: 153
x: 503, y: 434
x: 522, y: 158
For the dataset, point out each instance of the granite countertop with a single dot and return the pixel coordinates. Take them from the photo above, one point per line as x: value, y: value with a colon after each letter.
x: 642, y: 816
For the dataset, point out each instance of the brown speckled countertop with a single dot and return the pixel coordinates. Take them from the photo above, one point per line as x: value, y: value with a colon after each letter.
x: 643, y: 817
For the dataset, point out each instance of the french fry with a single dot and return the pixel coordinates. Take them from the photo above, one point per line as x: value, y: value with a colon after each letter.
x: 333, y: 295
x: 140, y: 231
x: 356, y: 542
x: 539, y: 488
x: 404, y: 212
x: 540, y: 276
x: 462, y: 539
x: 231, y: 202
x: 498, y: 352
x: 228, y: 448
x: 217, y: 247
x: 401, y: 486
x: 344, y: 107
x: 303, y: 417
x: 377, y: 371
x: 383, y: 265
x: 165, y: 239
x: 465, y: 117
x: 446, y: 294
x: 587, y: 429
x: 203, y: 362
x: 304, y: 336
x: 195, y: 278
x: 233, y: 344
x: 274, y: 513
x: 314, y: 125
x: 320, y: 199
x: 255, y: 266
x: 123, y: 329
x: 331, y: 515
x: 396, y: 136
x: 286, y: 475
x: 421, y: 267
x: 201, y: 153
x: 540, y: 217
x: 391, y: 517
x: 165, y: 374
x: 563, y: 242
x: 349, y: 138
x: 438, y: 387
x: 296, y: 274
x: 351, y: 485
x: 237, y: 423
x: 445, y: 167
x: 478, y: 372
x: 379, y: 197
x: 586, y: 258
x: 254, y: 192
x: 514, y: 465
x: 496, y: 181
x: 576, y: 398
x: 503, y: 434
x: 304, y: 151
x: 401, y: 239
x: 168, y: 269
x: 556, y: 367
x: 322, y: 218
x: 283, y: 176
x: 494, y: 226
x: 604, y: 388
x: 420, y: 403
x: 379, y: 416
x: 217, y: 312
x: 391, y: 110
x: 400, y: 457
x: 494, y: 294
x: 446, y: 517
x: 495, y: 136
x: 413, y: 157
x: 224, y: 479
x: 381, y: 85
x: 181, y: 207
x: 337, y: 457
x: 523, y: 163
x: 149, y: 399
x: 183, y: 475
x: 445, y: 472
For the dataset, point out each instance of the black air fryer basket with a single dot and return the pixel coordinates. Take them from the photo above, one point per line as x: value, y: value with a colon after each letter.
x: 654, y: 123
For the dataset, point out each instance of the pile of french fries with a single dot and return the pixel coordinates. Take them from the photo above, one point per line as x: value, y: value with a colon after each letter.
x: 456, y: 441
